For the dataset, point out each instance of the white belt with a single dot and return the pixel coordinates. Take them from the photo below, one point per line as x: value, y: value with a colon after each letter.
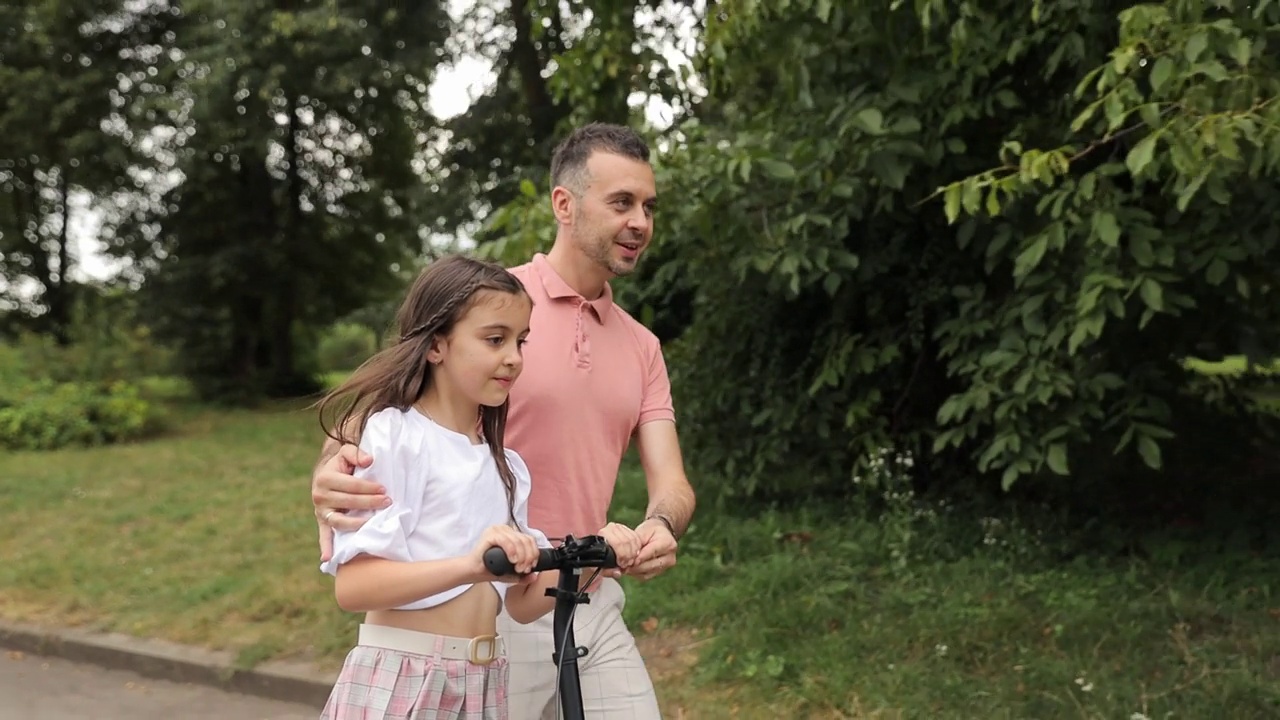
x: 480, y: 650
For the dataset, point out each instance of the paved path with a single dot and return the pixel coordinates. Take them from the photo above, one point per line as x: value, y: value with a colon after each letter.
x: 41, y: 688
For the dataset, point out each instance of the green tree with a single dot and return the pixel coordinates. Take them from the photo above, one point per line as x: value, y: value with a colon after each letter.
x: 298, y: 126
x: 1029, y: 320
x: 565, y: 63
x: 62, y: 111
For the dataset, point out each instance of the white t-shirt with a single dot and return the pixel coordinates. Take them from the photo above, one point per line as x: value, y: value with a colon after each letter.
x: 444, y: 490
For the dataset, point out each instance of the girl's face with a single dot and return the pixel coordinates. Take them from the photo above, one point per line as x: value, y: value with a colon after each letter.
x: 481, y: 357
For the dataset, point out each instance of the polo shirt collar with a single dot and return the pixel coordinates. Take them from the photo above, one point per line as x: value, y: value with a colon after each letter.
x: 558, y: 289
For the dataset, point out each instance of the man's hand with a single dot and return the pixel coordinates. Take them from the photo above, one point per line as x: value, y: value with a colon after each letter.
x: 625, y: 543
x: 657, y: 550
x: 335, y: 491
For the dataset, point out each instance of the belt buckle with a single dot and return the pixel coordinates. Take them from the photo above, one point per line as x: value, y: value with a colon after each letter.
x: 476, y: 642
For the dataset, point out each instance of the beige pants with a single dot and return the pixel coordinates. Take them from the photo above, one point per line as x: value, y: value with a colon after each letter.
x: 615, y: 684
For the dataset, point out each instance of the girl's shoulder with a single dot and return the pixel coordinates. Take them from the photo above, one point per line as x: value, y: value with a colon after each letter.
x: 388, y: 419
x: 517, y: 464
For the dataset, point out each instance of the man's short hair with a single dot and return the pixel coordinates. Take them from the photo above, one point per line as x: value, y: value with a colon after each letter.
x: 569, y: 162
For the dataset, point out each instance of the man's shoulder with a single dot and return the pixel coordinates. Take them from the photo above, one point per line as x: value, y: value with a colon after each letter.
x: 644, y: 336
x: 522, y: 271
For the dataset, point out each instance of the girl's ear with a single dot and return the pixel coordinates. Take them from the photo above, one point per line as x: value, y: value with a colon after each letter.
x: 435, y: 353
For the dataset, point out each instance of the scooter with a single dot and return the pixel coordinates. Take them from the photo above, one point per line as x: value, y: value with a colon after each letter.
x: 570, y: 559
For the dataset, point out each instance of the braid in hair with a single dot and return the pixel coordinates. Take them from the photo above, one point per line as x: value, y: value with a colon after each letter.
x: 429, y: 328
x: 445, y: 310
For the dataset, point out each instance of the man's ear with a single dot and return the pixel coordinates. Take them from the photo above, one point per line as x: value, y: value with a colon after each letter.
x: 562, y: 201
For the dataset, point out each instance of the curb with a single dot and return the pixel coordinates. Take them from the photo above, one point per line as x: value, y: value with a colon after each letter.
x: 159, y: 659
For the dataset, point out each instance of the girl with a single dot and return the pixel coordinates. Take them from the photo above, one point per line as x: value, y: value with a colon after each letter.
x: 431, y: 410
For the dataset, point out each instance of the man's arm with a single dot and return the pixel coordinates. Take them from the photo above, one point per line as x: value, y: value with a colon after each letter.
x: 335, y: 491
x: 671, y: 498
x: 327, y: 451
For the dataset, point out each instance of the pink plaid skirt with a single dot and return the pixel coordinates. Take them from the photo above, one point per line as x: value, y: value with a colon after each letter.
x: 382, y: 684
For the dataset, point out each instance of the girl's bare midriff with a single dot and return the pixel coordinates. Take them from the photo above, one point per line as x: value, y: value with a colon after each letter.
x: 472, y: 613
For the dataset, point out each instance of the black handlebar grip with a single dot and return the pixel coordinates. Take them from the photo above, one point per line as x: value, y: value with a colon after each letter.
x: 496, y: 561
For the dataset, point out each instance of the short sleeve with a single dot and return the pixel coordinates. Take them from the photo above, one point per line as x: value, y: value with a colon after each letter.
x: 656, y: 404
x: 521, y: 505
x: 386, y: 534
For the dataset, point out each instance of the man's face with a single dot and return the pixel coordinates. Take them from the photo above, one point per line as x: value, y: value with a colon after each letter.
x: 613, y: 217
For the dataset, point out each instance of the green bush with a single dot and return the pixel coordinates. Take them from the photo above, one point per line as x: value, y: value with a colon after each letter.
x: 99, y: 356
x: 48, y: 415
x: 345, y: 346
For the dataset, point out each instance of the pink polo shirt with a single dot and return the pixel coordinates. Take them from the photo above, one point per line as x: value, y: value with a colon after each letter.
x: 592, y: 375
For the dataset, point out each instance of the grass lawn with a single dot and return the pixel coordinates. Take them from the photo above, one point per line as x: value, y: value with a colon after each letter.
x: 206, y: 536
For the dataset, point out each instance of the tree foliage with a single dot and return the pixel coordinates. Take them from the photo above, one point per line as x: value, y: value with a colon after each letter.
x: 295, y: 129
x: 985, y: 233
x: 61, y: 117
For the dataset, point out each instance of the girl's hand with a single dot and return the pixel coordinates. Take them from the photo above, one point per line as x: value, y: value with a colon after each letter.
x: 521, y: 550
x: 625, y: 543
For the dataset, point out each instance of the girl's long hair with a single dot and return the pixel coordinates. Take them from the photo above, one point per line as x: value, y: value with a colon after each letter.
x: 398, y: 375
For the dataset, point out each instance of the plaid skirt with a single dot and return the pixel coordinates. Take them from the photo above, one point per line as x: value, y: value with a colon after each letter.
x: 381, y: 684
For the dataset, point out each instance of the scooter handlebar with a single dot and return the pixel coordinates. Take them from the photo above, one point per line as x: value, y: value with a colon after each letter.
x: 590, y: 551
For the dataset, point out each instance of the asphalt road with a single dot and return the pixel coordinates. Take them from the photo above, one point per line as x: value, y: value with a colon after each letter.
x: 41, y: 688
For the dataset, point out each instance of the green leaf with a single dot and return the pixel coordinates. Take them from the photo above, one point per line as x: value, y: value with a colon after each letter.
x: 1033, y: 324
x: 1160, y: 73
x: 1029, y: 258
x: 1152, y: 294
x: 1217, y: 271
x: 952, y: 207
x: 1195, y: 45
x: 1186, y: 194
x: 1078, y: 336
x: 824, y: 10
x: 1140, y: 156
x: 869, y: 120
x: 1114, y: 108
x: 527, y: 188
x: 1057, y: 458
x: 971, y: 198
x: 778, y: 169
x: 993, y: 203
x: 906, y: 125
x: 1140, y: 249
x: 831, y: 283
x: 889, y: 168
x: 1241, y: 51
x: 1088, y: 184
x: 1150, y: 452
x: 1085, y: 116
x: 1150, y: 114
x: 1009, y: 477
x: 1104, y: 225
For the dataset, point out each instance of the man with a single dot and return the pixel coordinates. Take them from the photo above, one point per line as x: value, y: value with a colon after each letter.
x: 593, y: 380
